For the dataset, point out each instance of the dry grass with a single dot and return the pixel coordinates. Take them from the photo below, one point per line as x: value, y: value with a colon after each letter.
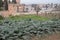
x: 50, y: 15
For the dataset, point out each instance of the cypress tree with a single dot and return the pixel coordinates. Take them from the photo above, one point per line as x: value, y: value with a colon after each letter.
x: 6, y: 5
x: 0, y: 3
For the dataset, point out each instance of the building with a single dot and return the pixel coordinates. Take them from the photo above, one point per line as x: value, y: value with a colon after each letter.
x: 13, y: 7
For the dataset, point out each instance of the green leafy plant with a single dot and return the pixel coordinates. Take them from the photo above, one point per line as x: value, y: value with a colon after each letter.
x: 24, y: 29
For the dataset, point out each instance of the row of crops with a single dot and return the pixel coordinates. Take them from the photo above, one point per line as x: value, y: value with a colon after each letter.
x: 23, y: 30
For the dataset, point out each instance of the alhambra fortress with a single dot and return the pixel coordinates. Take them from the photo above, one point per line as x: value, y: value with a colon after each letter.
x: 14, y: 7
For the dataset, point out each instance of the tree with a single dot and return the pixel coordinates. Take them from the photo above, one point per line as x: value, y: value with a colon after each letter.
x: 14, y: 1
x: 37, y: 9
x: 6, y: 4
x: 0, y: 3
x: 55, y: 6
x: 46, y: 6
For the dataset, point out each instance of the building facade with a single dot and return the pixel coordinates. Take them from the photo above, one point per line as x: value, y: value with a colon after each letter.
x: 13, y: 7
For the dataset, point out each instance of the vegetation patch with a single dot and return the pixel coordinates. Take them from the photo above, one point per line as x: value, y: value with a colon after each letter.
x: 24, y: 17
x: 25, y: 29
x: 1, y: 17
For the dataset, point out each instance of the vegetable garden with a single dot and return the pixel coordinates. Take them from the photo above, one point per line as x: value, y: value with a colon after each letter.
x: 24, y: 29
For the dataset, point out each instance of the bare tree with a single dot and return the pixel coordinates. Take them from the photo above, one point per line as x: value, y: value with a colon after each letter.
x: 55, y: 6
x: 37, y: 9
x: 46, y: 6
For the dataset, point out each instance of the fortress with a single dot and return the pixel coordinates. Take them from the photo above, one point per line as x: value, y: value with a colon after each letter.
x: 12, y: 7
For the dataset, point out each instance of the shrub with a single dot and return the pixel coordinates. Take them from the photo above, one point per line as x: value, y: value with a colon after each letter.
x: 1, y: 17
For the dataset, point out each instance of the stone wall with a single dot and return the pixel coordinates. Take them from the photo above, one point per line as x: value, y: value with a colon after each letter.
x: 4, y: 13
x: 12, y: 10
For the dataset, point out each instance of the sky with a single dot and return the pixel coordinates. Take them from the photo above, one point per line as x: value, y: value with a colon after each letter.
x: 39, y: 1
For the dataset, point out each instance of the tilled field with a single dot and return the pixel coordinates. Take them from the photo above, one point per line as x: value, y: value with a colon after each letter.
x: 29, y: 29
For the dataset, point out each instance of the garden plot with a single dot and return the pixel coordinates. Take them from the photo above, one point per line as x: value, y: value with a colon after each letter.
x: 23, y: 30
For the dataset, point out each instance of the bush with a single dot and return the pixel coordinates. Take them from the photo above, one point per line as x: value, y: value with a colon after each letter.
x: 0, y: 9
x: 55, y: 19
x: 1, y: 18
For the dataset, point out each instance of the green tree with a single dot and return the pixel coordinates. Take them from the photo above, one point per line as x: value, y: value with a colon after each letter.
x: 6, y: 4
x: 0, y: 3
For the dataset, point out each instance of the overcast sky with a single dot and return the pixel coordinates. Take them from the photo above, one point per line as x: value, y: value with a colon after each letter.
x: 39, y: 1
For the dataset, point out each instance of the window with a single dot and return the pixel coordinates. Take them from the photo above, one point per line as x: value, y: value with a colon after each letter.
x: 12, y: 1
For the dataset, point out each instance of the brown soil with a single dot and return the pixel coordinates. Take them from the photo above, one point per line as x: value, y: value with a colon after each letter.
x: 50, y: 37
